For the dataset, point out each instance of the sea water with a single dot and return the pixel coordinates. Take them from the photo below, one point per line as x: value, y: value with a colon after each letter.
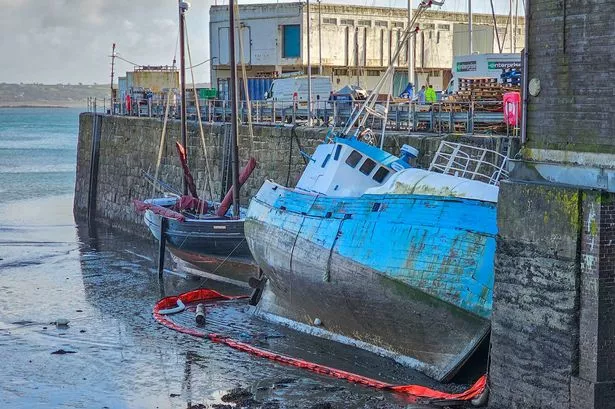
x: 37, y: 152
x: 113, y: 354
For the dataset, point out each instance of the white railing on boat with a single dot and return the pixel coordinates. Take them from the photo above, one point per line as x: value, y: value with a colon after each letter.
x: 470, y: 162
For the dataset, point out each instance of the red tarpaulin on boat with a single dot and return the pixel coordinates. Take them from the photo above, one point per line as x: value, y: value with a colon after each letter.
x: 228, y: 198
x: 183, y: 158
x: 191, y: 203
x: 210, y: 295
x: 162, y: 211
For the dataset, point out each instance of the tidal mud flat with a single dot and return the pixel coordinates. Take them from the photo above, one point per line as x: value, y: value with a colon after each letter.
x: 112, y: 354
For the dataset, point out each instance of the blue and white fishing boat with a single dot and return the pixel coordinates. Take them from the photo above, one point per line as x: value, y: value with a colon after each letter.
x: 384, y: 256
x: 370, y: 251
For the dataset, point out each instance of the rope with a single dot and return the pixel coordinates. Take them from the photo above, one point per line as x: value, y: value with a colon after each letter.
x: 210, y: 295
x: 208, y: 181
x: 245, y: 80
x: 161, y: 147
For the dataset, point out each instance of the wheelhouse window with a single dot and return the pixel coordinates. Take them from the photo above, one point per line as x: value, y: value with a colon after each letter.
x: 381, y: 174
x: 291, y: 36
x: 353, y: 159
x: 324, y: 162
x: 367, y: 166
x: 338, y: 150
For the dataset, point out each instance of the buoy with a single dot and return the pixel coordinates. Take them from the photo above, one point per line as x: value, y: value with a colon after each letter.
x: 200, y: 314
x: 317, y: 322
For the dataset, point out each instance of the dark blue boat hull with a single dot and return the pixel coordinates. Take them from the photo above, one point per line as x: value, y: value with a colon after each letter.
x: 216, y: 246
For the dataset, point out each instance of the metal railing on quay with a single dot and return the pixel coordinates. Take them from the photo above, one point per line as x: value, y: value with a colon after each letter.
x: 443, y: 117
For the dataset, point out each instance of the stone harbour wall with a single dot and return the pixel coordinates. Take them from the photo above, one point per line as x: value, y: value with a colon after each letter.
x: 553, y: 324
x: 130, y: 145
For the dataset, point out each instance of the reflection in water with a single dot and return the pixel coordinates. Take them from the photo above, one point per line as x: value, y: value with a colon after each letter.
x: 106, y: 285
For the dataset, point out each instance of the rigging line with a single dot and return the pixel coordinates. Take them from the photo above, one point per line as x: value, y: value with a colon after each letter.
x: 495, y: 24
x: 245, y: 80
x: 125, y: 60
x: 208, y: 180
x: 161, y: 147
x: 202, y: 281
x: 176, y: 47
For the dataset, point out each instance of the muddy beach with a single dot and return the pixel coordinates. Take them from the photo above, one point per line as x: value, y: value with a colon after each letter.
x: 112, y: 354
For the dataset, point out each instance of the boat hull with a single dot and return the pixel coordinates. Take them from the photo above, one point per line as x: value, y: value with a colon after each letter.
x: 213, y: 246
x: 320, y: 257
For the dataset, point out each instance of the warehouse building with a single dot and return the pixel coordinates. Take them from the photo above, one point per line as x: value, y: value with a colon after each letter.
x: 351, y: 44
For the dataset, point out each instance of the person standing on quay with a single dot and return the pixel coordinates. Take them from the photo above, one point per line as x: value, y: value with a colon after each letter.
x: 430, y: 95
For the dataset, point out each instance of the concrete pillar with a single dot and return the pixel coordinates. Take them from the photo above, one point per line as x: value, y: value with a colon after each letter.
x: 534, y: 324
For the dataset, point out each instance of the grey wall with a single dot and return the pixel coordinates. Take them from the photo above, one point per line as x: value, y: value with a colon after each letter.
x: 572, y: 53
x: 130, y: 144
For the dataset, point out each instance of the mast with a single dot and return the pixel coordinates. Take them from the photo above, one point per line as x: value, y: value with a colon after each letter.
x: 309, y: 67
x: 410, y: 49
x: 319, y: 40
x: 233, y: 89
x: 470, y: 25
x: 183, y: 8
x: 112, y: 73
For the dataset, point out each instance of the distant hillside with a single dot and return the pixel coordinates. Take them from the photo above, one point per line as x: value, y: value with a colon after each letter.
x: 50, y: 95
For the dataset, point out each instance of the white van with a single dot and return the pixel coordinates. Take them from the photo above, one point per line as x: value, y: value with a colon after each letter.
x: 285, y: 90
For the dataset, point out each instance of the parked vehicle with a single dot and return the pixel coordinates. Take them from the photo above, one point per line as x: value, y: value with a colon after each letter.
x: 286, y: 91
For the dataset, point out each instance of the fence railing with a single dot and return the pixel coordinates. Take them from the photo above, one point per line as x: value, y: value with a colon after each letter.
x: 477, y: 117
x: 471, y: 162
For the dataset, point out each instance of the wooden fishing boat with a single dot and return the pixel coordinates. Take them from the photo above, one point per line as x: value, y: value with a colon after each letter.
x: 369, y: 251
x: 205, y: 234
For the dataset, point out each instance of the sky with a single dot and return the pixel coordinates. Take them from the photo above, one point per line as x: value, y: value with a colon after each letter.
x: 69, y: 41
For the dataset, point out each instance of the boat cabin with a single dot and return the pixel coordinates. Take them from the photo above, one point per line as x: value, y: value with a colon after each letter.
x: 348, y: 167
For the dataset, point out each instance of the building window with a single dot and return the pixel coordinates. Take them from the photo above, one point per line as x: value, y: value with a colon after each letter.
x: 354, y: 158
x: 291, y: 41
x: 381, y: 24
x: 367, y: 166
x: 366, y: 23
x: 444, y: 27
x: 428, y: 26
x: 373, y: 73
x: 328, y: 20
x: 347, y: 22
x: 397, y: 24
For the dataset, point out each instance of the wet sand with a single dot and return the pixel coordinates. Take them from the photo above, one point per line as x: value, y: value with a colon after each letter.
x: 114, y: 355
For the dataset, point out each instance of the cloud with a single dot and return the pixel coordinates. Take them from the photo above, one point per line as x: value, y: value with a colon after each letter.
x: 69, y: 41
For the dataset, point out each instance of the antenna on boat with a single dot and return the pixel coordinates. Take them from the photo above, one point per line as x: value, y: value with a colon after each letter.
x: 183, y: 8
x: 234, y: 148
x: 357, y: 118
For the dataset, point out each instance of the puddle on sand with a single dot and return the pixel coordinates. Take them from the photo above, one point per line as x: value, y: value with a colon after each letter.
x: 119, y: 357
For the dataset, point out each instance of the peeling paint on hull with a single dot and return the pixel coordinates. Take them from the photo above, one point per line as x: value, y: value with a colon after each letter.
x: 408, y: 274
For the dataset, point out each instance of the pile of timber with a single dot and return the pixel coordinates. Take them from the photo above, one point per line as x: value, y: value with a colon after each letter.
x: 486, y: 94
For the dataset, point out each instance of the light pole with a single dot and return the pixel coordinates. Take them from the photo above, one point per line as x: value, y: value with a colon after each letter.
x: 309, y: 67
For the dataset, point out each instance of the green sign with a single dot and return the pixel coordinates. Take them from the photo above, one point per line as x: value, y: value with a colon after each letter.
x: 466, y: 66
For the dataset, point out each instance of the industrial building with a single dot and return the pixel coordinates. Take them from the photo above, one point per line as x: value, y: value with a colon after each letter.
x: 351, y: 44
